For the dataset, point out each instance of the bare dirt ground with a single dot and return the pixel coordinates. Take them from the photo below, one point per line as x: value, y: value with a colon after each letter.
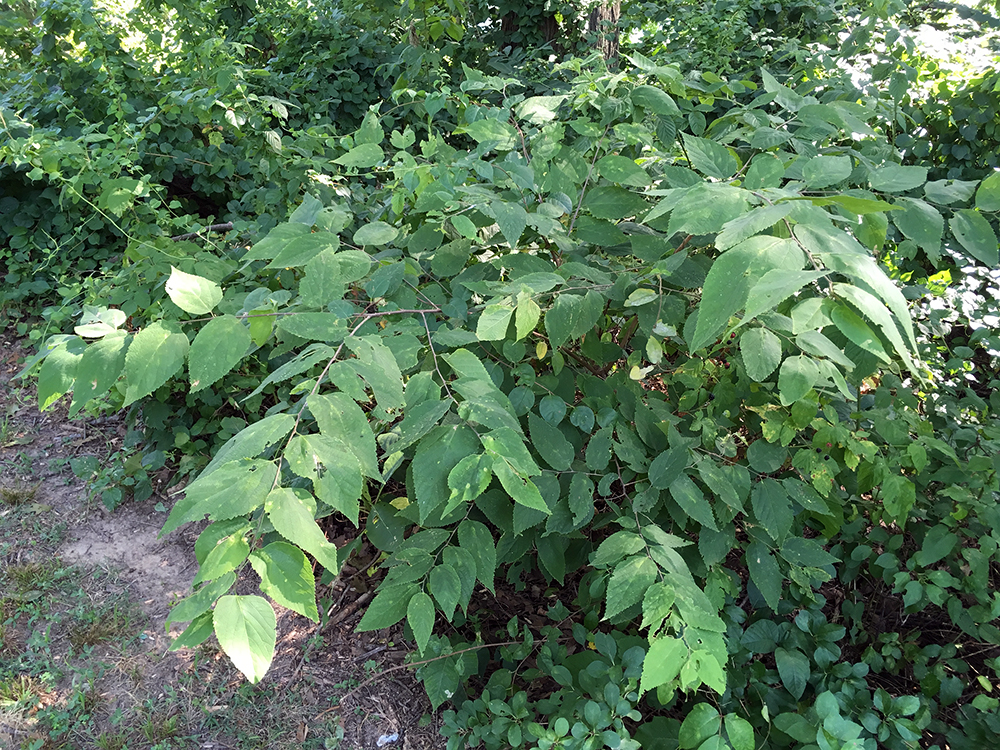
x: 113, y: 569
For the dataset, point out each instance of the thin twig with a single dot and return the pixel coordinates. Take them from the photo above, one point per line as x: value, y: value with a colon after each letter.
x: 212, y: 228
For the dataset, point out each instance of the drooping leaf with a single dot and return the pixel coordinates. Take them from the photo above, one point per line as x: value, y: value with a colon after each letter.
x: 511, y: 218
x: 663, y: 662
x: 894, y: 178
x: 340, y: 417
x: 476, y: 539
x: 247, y: 631
x: 628, y: 584
x: 420, y: 617
x: 445, y: 586
x: 796, y: 378
x: 436, y: 456
x: 988, y: 194
x: 922, y: 223
x: 493, y: 322
x: 333, y: 468
x: 521, y: 489
x: 572, y: 316
x: 793, y: 668
x: 655, y: 100
x: 773, y: 508
x: 252, y: 441
x: 692, y: 501
x: 550, y: 443
x: 747, y: 225
x: 155, y: 355
x: 857, y: 331
x: 776, y: 286
x: 96, y: 371
x: 217, y: 349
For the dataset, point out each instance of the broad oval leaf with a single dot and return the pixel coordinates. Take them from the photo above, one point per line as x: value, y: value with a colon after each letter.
x: 155, y: 355
x: 192, y: 294
x: 286, y: 576
x: 376, y: 233
x: 217, y: 349
x: 761, y: 351
x: 796, y: 378
x: 247, y: 630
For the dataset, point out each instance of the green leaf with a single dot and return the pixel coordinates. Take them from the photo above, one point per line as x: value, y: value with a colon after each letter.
x: 436, y: 456
x: 201, y: 600
x: 766, y: 171
x: 878, y: 314
x: 898, y: 497
x: 499, y: 135
x: 286, y: 576
x: 655, y: 100
x: 745, y: 226
x: 526, y: 317
x: 893, y: 178
x: 657, y: 604
x: 668, y: 466
x: 774, y: 288
x: 702, y: 722
x: 922, y: 223
x: 572, y: 316
x: 155, y: 355
x: 765, y: 457
x: 376, y: 233
x: 217, y: 349
x: 388, y: 607
x: 581, y: 498
x: 301, y: 251
x: 464, y: 564
x: 793, y: 668
x: 622, y: 170
x: 506, y: 444
x: 446, y: 587
x: 338, y: 416
x: 315, y: 326
x: 420, y: 616
x: 521, y: 489
x: 764, y: 573
x: 761, y: 351
x: 251, y: 441
x: 493, y: 322
x: 420, y: 420
x: 823, y: 171
x: 976, y: 235
x: 988, y: 194
x: 687, y: 495
x: 194, y: 634
x: 717, y: 481
x: 730, y: 279
x: 613, y: 202
x: 293, y: 515
x: 247, y: 630
x: 96, y: 371
x: 476, y: 539
x: 705, y: 208
x: 275, y: 241
x: 857, y: 331
x: 226, y: 555
x: 937, y: 544
x: 361, y: 157
x: 192, y: 294
x: 950, y: 191
x: 628, y: 584
x: 376, y: 364
x: 815, y: 343
x: 235, y: 489
x: 328, y: 273
x: 773, y: 508
x: 58, y: 370
x: 663, y: 662
x: 333, y: 469
x: 511, y: 218
x: 740, y: 732
x: 806, y: 553
x: 554, y: 449
x: 796, y: 378
x: 468, y: 480
x: 710, y: 158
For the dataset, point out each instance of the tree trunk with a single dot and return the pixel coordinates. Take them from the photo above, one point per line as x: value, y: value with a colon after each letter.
x: 604, y: 25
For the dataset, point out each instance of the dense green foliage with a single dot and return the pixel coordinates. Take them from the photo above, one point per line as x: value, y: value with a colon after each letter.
x: 707, y: 358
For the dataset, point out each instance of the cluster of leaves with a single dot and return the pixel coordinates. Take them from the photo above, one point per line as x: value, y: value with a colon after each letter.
x: 597, y: 339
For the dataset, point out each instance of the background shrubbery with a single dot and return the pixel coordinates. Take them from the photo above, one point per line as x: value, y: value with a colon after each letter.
x: 691, y: 351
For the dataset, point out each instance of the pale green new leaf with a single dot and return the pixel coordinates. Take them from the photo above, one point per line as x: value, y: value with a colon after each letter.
x: 58, y: 371
x: 292, y: 512
x: 286, y: 576
x: 526, y: 317
x: 155, y: 355
x: 622, y: 170
x: 761, y: 351
x: 192, y: 294
x: 200, y: 601
x: 988, y: 194
x: 247, y: 630
x: 234, y: 489
x: 376, y: 233
x: 227, y: 555
x: 217, y: 349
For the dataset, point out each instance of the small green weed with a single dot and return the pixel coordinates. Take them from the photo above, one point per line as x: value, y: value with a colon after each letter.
x: 17, y: 493
x: 102, y: 627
